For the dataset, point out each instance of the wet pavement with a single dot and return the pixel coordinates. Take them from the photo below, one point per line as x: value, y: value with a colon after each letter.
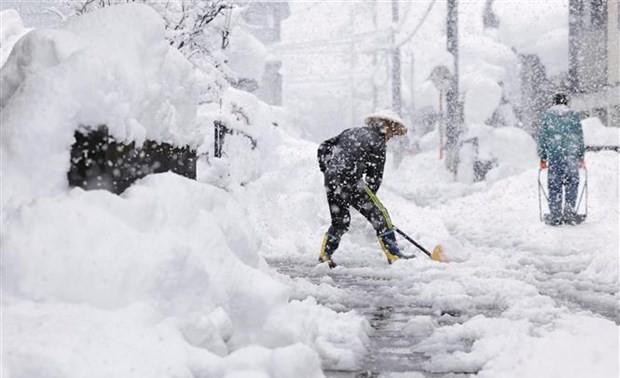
x: 387, y: 307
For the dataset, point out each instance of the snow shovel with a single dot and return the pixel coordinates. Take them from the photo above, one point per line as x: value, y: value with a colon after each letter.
x: 579, y: 218
x: 436, y: 255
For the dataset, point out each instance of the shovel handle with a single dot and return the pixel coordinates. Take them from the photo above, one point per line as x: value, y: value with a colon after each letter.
x: 413, y: 241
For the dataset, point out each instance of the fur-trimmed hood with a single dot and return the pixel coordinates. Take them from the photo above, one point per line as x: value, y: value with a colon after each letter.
x: 397, y: 124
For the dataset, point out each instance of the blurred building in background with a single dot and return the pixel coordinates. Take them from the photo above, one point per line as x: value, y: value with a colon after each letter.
x: 594, y: 68
x: 264, y: 21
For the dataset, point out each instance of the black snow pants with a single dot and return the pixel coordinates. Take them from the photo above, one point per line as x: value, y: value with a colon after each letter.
x: 343, y: 193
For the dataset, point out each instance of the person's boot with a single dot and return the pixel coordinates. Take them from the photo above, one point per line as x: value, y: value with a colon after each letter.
x: 390, y: 247
x: 569, y: 216
x: 553, y: 220
x: 328, y: 247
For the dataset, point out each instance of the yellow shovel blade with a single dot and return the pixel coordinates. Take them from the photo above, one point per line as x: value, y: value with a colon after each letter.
x: 437, y: 254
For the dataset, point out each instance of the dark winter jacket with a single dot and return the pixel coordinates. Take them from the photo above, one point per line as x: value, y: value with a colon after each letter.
x: 560, y: 134
x: 355, y: 153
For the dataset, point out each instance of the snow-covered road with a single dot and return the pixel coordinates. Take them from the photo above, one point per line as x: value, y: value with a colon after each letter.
x: 386, y: 303
x: 517, y: 294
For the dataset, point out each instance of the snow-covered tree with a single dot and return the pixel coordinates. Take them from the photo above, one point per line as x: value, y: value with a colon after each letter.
x: 186, y: 20
x: 197, y: 28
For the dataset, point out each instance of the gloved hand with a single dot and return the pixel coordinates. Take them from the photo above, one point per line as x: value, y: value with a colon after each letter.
x: 582, y: 164
x: 543, y: 164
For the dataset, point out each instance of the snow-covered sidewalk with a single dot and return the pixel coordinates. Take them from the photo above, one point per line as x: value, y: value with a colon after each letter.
x: 519, y: 298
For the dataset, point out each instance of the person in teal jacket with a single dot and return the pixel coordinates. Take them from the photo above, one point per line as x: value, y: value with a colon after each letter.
x: 561, y: 149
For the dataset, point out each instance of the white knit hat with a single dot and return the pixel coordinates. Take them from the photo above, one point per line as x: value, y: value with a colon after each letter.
x: 396, y: 123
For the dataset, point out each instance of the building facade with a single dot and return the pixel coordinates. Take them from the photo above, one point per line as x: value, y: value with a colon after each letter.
x: 264, y: 20
x: 594, y: 68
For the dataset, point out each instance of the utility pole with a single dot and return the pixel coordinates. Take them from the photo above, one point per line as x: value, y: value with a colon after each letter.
x: 453, y: 105
x: 375, y: 99
x: 412, y: 85
x: 352, y: 89
x: 442, y: 79
x: 396, y: 79
x: 575, y: 11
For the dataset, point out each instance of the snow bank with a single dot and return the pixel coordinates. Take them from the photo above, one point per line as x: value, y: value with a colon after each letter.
x: 512, y: 149
x: 298, y: 230
x: 573, y: 347
x: 111, y: 67
x: 106, y: 223
x: 180, y: 249
x: 597, y: 134
x: 424, y: 179
x: 76, y: 340
x: 340, y: 345
x: 162, y: 281
x: 168, y: 269
x: 576, y: 340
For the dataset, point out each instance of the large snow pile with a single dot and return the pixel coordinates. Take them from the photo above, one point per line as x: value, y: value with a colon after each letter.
x: 597, y: 134
x: 162, y: 281
x: 107, y: 70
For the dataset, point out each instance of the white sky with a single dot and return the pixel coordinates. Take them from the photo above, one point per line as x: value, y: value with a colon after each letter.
x: 35, y: 13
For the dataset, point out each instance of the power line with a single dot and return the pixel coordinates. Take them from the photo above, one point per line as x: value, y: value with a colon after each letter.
x: 418, y: 26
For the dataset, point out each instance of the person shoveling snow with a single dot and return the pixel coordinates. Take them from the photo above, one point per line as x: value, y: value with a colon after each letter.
x: 352, y: 163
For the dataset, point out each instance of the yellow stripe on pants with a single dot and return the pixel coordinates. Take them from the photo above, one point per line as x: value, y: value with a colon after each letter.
x: 376, y: 201
x: 323, y: 255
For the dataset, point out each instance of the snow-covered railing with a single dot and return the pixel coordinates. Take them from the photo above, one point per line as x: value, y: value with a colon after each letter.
x: 221, y: 129
x: 597, y: 148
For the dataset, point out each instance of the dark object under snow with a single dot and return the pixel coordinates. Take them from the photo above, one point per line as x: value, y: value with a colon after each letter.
x: 98, y: 161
